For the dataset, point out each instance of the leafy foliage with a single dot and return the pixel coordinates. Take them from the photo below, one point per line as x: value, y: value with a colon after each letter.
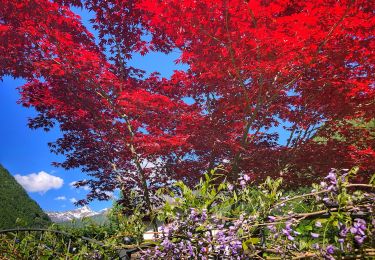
x: 86, y: 239
x: 17, y: 208
x: 254, y: 67
x: 333, y: 219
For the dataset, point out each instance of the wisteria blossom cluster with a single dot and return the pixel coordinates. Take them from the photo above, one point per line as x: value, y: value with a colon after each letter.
x: 250, y: 221
x: 331, y: 183
x: 197, y: 236
x: 359, y: 230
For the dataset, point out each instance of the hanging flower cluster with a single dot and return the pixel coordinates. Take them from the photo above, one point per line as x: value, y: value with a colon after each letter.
x: 198, y: 236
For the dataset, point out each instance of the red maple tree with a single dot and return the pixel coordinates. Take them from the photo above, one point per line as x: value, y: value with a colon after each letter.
x: 255, y: 67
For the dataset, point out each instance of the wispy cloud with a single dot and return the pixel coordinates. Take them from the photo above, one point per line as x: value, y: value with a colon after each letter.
x: 73, y: 200
x: 73, y: 183
x: 39, y: 182
x: 60, y: 198
x: 110, y: 194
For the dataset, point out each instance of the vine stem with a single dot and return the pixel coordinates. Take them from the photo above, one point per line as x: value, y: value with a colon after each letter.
x: 300, y: 216
x: 324, y: 191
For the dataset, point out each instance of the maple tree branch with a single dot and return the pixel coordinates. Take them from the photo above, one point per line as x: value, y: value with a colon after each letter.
x: 132, y: 149
x: 259, y: 102
x: 289, y: 140
x: 211, y: 36
x: 294, y: 80
x: 131, y: 146
x: 136, y: 160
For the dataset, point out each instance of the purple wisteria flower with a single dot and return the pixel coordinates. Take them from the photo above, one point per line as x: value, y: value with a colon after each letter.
x: 272, y: 228
x: 204, y: 215
x: 318, y: 224
x: 332, y: 180
x: 194, y: 215
x: 359, y: 239
x: 343, y: 230
x: 216, y: 237
x: 330, y: 249
x: 314, y: 235
x: 288, y: 230
x: 272, y: 218
x: 246, y: 178
x: 332, y: 176
x: 359, y: 230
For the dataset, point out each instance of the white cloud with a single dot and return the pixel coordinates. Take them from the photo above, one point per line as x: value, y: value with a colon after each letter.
x: 110, y: 194
x: 146, y: 164
x: 39, y: 182
x: 60, y: 198
x: 73, y: 183
x: 86, y: 188
x: 73, y: 200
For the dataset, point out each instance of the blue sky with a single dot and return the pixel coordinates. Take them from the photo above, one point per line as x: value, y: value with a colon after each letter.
x: 25, y: 153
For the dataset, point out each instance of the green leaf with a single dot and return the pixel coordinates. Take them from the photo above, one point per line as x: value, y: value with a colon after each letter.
x: 372, y: 180
x: 353, y: 171
x: 308, y: 228
x: 322, y: 220
x: 235, y: 196
x: 252, y: 241
x: 244, y: 246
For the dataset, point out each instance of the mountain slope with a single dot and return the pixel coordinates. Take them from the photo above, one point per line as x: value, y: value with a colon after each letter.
x: 15, y: 204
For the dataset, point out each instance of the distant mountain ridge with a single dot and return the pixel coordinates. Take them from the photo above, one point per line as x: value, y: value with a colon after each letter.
x: 69, y: 215
x: 16, y: 207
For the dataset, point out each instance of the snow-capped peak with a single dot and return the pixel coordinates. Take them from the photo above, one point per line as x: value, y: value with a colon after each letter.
x: 72, y: 214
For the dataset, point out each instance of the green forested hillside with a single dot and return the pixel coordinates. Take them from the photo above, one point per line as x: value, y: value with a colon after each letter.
x: 15, y: 204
